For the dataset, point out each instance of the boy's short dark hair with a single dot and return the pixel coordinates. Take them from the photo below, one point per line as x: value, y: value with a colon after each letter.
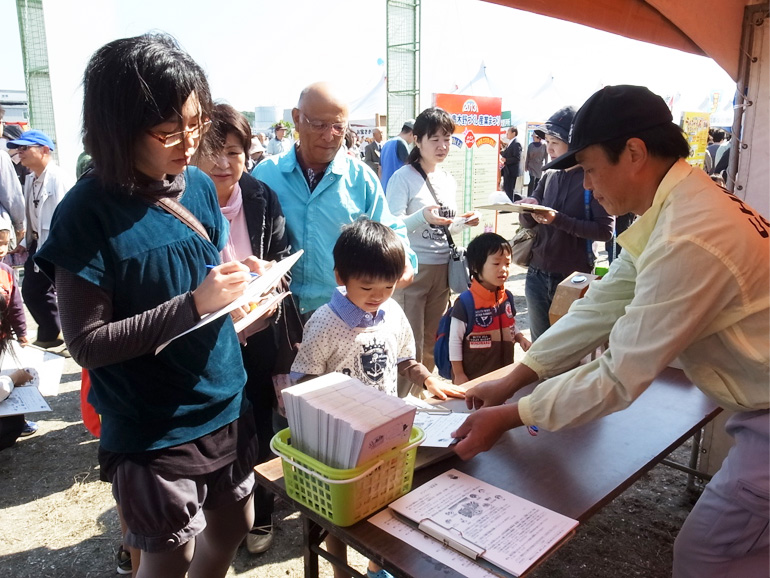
x: 368, y: 249
x: 482, y: 247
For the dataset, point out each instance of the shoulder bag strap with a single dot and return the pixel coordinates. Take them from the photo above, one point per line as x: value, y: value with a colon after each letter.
x: 178, y: 210
x: 420, y: 170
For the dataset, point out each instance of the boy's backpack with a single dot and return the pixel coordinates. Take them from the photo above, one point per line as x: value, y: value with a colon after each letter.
x: 441, y: 347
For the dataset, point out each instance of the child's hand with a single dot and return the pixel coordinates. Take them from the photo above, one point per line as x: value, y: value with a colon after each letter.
x: 523, y: 341
x: 442, y: 390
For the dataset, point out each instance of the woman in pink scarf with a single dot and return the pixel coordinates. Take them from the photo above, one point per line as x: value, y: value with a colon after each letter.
x: 257, y: 227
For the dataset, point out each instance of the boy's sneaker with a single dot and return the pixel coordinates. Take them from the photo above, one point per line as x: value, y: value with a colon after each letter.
x: 124, y: 561
x: 259, y: 539
x: 29, y: 428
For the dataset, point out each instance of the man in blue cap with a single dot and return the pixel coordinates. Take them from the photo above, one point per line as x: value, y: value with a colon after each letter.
x: 44, y: 188
x: 691, y: 284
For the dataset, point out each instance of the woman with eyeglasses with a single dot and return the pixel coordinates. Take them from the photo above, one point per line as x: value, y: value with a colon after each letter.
x: 257, y: 227
x: 132, y: 240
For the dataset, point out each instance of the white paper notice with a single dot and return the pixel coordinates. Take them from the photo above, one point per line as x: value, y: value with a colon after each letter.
x: 388, y: 522
x: 438, y: 427
x: 510, y: 532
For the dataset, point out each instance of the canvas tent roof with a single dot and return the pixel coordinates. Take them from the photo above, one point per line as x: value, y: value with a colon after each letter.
x: 706, y: 27
x: 713, y: 28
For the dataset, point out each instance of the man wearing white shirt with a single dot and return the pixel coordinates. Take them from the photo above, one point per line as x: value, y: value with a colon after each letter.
x: 44, y: 188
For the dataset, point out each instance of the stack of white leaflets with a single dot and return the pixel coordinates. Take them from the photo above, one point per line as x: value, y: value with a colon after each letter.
x: 343, y: 423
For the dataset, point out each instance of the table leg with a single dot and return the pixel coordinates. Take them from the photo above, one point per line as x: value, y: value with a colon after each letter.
x: 312, y: 537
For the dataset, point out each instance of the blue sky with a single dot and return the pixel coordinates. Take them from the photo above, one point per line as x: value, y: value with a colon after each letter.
x: 263, y: 52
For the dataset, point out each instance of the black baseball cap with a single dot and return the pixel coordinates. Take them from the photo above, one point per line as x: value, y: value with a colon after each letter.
x: 610, y: 113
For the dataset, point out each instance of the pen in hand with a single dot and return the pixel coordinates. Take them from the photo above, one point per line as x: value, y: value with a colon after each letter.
x: 250, y: 272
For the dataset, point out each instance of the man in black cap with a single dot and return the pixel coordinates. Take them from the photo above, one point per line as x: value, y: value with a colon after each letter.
x: 692, y: 284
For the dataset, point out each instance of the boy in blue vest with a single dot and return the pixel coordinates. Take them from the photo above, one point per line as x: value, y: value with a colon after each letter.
x: 482, y: 340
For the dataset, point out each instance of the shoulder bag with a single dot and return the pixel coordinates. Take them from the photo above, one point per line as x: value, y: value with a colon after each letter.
x: 521, y: 246
x: 524, y: 239
x: 458, y: 276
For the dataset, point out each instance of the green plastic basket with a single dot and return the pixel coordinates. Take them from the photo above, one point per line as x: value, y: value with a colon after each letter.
x: 346, y: 496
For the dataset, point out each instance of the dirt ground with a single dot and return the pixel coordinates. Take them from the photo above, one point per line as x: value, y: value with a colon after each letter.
x: 57, y: 520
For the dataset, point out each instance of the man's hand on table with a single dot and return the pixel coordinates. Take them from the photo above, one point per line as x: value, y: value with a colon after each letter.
x: 484, y: 427
x: 488, y: 393
x: 481, y: 430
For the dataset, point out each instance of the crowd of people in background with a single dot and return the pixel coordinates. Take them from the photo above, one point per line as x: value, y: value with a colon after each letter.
x: 172, y: 181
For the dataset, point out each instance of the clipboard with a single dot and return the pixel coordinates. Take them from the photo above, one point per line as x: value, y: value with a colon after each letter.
x: 460, y: 511
x: 255, y: 291
x: 516, y: 208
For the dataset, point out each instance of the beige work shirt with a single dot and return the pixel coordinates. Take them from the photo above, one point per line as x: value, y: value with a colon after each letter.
x: 693, y: 283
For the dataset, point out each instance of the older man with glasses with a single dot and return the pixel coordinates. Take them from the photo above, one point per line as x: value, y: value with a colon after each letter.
x: 321, y: 188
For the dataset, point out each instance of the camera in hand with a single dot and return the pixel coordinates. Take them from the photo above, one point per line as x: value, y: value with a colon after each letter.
x: 446, y: 212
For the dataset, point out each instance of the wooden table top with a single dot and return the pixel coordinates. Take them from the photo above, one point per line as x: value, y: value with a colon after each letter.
x: 574, y: 471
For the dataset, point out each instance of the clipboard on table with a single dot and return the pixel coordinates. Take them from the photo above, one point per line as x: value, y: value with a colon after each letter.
x: 506, y: 533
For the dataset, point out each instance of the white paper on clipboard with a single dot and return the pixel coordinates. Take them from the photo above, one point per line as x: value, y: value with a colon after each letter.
x: 24, y: 398
x: 258, y: 287
x: 47, y: 364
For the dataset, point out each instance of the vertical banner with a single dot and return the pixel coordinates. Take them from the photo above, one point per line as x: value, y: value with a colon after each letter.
x: 696, y: 129
x: 473, y: 157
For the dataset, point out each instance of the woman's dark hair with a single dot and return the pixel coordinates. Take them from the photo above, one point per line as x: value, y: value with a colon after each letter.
x: 368, y: 249
x: 225, y: 120
x: 663, y: 141
x: 129, y: 86
x: 429, y: 122
x: 482, y: 247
